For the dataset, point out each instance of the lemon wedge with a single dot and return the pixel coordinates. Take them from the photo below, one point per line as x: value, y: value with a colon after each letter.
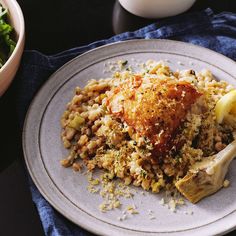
x: 225, y: 106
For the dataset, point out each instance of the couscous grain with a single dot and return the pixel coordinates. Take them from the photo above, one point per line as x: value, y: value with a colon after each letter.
x: 110, y: 124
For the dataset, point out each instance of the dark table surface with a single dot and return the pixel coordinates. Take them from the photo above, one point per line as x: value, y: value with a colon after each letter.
x: 51, y: 27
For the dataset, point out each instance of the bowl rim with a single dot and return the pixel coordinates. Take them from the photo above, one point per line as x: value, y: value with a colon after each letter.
x: 136, y: 7
x: 20, y: 35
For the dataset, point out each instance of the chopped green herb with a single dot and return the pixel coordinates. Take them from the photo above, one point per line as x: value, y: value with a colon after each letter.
x: 143, y: 173
x: 124, y: 63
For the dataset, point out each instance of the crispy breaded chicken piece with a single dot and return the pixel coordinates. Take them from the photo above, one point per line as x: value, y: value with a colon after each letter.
x: 154, y: 108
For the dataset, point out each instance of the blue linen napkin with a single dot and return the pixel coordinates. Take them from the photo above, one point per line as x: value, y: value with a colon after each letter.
x: 217, y: 32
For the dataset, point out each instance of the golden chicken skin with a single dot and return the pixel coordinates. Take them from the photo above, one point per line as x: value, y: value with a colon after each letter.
x: 154, y: 107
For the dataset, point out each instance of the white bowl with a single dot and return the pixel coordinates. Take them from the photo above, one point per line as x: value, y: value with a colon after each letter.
x: 9, y: 69
x: 156, y: 8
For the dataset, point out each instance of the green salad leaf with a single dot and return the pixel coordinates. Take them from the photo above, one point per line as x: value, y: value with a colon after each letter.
x: 7, y: 44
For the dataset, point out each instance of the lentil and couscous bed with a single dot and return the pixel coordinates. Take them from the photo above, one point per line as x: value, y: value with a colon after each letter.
x: 148, y: 127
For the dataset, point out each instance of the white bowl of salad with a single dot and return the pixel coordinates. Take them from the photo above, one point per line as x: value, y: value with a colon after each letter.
x: 12, y: 38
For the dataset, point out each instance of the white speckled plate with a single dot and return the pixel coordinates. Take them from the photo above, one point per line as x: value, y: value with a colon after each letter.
x: 66, y: 190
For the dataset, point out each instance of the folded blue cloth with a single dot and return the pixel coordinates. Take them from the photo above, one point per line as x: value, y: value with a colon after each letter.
x: 217, y: 32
